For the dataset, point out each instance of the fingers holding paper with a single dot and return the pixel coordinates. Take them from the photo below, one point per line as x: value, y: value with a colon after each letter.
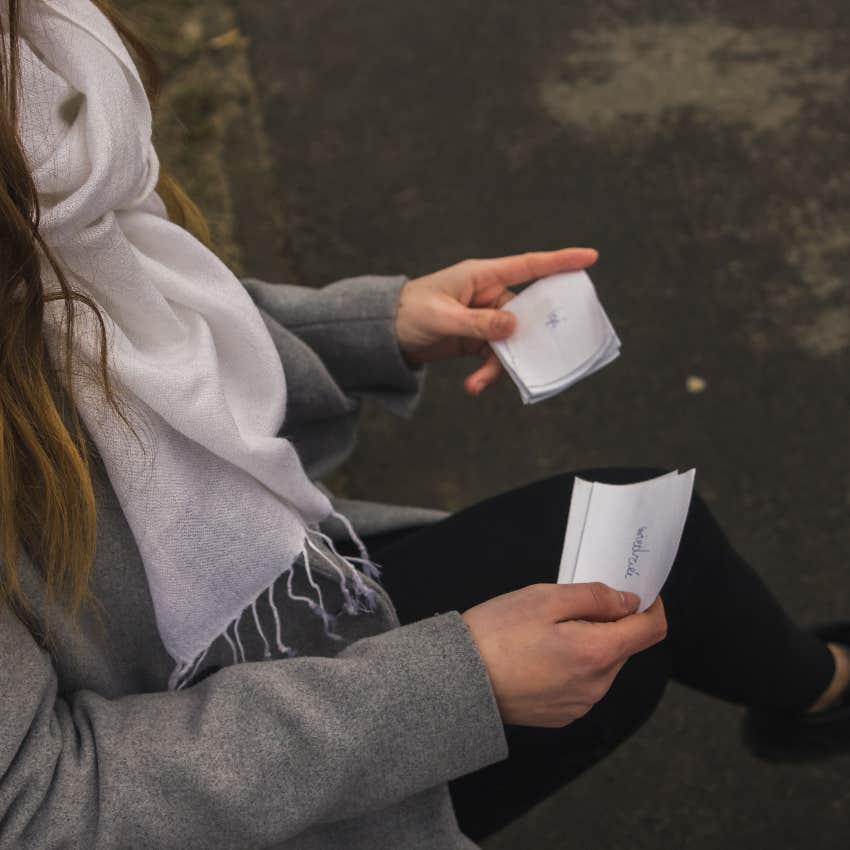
x: 552, y: 651
x: 457, y: 311
x: 612, y: 629
x: 491, y: 367
x: 626, y: 636
x: 497, y: 274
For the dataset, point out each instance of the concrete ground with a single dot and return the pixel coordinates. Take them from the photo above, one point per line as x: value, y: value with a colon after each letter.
x: 701, y: 147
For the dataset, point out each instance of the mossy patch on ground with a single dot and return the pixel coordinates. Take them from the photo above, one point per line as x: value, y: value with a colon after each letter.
x: 208, y: 128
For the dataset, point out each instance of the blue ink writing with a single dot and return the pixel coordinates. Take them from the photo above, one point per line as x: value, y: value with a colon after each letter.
x: 637, y: 550
x: 553, y: 319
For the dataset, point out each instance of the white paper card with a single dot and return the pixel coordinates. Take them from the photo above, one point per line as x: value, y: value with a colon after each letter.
x: 562, y: 335
x: 626, y: 535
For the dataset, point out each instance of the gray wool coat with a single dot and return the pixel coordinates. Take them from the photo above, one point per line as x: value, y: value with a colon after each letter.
x: 348, y: 745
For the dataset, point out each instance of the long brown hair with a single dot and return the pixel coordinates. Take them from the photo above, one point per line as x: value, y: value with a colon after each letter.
x: 47, y: 502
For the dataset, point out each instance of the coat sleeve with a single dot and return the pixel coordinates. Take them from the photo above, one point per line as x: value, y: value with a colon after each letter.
x: 249, y: 756
x: 350, y: 325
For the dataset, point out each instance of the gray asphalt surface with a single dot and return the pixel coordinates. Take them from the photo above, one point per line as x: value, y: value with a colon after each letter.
x: 701, y: 147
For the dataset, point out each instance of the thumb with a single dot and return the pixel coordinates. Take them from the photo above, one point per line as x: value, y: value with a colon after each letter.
x: 480, y: 323
x: 593, y: 601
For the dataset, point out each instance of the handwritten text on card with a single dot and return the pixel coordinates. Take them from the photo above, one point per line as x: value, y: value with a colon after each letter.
x: 637, y: 551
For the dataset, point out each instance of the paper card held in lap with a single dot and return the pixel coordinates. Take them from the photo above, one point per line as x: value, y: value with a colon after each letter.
x: 626, y: 535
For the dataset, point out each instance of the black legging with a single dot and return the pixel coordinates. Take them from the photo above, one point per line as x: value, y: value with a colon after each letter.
x: 727, y: 635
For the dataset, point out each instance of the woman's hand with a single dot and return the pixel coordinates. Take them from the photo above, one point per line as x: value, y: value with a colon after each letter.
x: 553, y: 650
x: 455, y: 312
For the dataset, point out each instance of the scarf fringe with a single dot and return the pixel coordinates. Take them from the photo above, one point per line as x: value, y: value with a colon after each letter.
x: 358, y: 598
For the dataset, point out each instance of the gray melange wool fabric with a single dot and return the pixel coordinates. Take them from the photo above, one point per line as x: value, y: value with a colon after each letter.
x: 348, y: 745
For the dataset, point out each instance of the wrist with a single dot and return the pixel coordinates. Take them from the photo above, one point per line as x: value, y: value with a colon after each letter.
x: 409, y: 356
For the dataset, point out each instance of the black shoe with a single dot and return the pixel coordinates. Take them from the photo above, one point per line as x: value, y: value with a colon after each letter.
x: 779, y: 736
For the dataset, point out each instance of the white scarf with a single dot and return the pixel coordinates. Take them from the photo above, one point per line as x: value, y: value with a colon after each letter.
x: 219, y: 505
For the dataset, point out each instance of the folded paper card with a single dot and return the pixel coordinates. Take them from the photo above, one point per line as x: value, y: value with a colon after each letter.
x: 626, y: 535
x: 562, y: 335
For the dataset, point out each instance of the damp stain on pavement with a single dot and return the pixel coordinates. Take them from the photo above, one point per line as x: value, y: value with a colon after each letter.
x: 758, y: 79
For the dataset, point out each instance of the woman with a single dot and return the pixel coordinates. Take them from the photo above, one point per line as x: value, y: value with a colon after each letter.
x: 214, y: 663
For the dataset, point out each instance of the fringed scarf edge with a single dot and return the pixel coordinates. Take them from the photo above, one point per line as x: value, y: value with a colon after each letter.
x: 357, y: 596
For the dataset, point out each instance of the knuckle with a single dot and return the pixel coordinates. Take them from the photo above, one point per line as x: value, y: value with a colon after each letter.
x: 600, y: 688
x: 595, y: 693
x: 470, y: 267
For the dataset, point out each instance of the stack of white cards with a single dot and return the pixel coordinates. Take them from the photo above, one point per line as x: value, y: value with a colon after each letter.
x: 562, y: 335
x: 626, y: 535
